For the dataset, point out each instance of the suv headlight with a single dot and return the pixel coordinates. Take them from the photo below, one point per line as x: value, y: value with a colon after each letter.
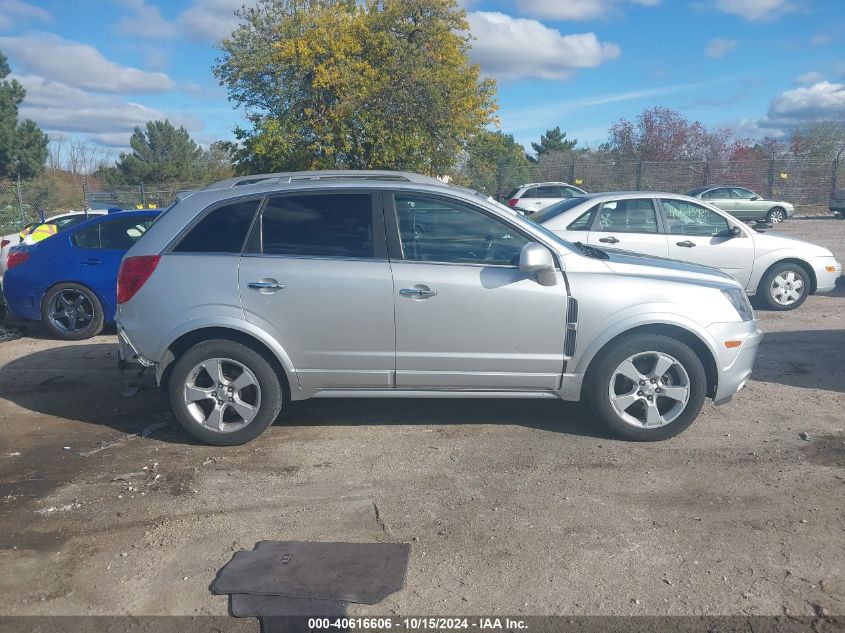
x: 739, y: 300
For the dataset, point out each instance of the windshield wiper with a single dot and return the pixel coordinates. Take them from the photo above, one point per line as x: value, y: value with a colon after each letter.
x: 592, y: 251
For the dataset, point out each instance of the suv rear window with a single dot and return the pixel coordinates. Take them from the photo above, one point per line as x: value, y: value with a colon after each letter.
x: 322, y: 225
x: 223, y: 230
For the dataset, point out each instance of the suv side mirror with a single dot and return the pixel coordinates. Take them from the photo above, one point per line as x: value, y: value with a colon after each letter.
x: 536, y: 258
x: 734, y: 231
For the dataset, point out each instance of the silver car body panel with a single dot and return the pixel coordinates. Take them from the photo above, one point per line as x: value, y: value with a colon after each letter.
x: 489, y: 330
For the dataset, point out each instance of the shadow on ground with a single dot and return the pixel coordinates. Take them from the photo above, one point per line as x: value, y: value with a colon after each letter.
x: 812, y: 359
x: 81, y: 382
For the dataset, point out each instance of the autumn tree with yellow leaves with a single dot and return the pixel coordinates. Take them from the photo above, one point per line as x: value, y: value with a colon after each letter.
x: 331, y: 84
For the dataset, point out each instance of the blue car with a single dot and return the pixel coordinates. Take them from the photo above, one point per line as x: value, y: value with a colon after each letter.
x: 69, y: 281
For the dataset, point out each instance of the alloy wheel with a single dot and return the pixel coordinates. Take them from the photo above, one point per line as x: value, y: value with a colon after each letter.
x: 222, y: 394
x: 649, y: 390
x: 70, y: 311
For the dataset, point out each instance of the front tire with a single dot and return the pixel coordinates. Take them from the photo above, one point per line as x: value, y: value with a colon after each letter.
x: 647, y: 387
x: 776, y: 216
x: 72, y: 312
x: 783, y: 287
x: 224, y: 393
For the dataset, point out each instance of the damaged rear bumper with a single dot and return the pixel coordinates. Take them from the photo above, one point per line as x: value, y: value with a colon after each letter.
x: 137, y: 374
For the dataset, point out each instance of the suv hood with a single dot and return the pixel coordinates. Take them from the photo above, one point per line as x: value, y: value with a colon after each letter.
x: 627, y: 263
x: 772, y: 241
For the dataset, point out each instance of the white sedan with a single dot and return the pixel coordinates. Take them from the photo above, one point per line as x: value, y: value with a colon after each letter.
x: 779, y: 270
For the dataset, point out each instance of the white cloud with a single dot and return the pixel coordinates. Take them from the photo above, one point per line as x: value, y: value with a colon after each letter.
x: 80, y: 65
x: 534, y: 116
x: 820, y: 101
x: 810, y: 78
x: 510, y: 48
x: 210, y: 20
x: 753, y: 10
x: 144, y: 21
x: 577, y: 9
x: 65, y: 110
x: 718, y: 47
x: 16, y: 13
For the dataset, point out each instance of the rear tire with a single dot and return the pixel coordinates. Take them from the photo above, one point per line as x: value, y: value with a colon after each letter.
x: 647, y: 387
x: 72, y: 312
x: 783, y: 287
x: 224, y: 393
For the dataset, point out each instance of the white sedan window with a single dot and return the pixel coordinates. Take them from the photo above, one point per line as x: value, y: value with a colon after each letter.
x: 688, y: 218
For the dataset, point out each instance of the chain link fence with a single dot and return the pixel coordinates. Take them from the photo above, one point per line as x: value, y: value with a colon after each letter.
x: 25, y: 201
x: 805, y: 183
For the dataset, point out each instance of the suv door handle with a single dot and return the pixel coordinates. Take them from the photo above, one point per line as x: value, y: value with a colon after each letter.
x: 685, y: 244
x: 417, y: 293
x: 266, y: 284
x: 609, y: 240
x: 91, y: 261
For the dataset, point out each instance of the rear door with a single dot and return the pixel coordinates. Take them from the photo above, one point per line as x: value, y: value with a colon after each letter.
x: 702, y: 236
x: 315, y: 275
x: 629, y: 224
x: 96, y: 252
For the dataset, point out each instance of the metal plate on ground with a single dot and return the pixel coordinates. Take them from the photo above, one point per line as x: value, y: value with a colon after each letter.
x: 351, y: 572
x: 245, y: 605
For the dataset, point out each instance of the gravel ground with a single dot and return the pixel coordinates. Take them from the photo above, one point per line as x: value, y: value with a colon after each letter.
x: 511, y: 507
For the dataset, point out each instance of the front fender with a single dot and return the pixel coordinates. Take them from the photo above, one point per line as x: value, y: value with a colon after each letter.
x: 625, y: 323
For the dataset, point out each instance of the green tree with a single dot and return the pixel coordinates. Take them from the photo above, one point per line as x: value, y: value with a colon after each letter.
x: 337, y: 84
x: 553, y: 141
x: 161, y: 153
x: 23, y: 146
x: 495, y: 164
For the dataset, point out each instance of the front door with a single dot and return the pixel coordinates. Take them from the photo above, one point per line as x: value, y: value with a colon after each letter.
x: 315, y: 275
x: 702, y: 236
x: 629, y: 224
x: 466, y: 316
x: 748, y: 205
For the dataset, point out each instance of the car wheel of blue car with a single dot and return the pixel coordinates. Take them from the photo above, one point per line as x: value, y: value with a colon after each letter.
x: 72, y: 312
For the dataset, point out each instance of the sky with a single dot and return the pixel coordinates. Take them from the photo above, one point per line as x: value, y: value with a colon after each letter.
x: 94, y: 69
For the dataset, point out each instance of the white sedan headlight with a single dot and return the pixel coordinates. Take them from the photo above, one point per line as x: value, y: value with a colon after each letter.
x: 739, y: 300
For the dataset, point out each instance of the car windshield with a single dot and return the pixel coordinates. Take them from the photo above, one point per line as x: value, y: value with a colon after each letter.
x: 556, y: 209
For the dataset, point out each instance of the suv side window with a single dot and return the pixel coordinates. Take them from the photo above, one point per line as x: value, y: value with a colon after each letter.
x: 438, y: 230
x: 635, y: 215
x: 548, y: 192
x: 320, y: 225
x: 223, y: 230
x: 688, y: 218
x: 531, y: 192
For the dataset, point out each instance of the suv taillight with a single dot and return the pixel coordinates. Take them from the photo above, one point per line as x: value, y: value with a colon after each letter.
x: 512, y: 202
x: 133, y: 273
x: 5, y: 243
x: 16, y: 258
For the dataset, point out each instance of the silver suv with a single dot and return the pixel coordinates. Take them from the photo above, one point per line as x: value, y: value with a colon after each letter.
x: 261, y: 290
